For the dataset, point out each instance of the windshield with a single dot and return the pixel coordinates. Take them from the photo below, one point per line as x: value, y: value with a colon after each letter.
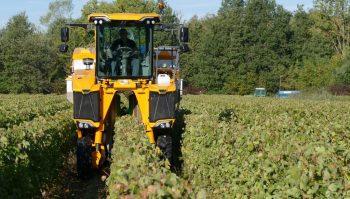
x: 124, y: 51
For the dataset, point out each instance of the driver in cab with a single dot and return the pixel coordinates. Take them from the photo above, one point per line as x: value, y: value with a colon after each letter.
x: 127, y: 50
x: 124, y: 41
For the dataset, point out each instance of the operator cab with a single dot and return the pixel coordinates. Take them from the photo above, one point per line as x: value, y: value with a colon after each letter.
x: 124, y: 45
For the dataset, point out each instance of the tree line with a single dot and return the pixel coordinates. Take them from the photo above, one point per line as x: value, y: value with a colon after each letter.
x: 246, y: 44
x: 258, y: 43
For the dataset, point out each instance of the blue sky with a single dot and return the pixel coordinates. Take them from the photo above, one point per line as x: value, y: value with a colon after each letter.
x: 186, y: 8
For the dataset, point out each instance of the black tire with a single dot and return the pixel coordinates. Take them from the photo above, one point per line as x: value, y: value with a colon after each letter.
x: 165, y: 143
x: 84, y: 164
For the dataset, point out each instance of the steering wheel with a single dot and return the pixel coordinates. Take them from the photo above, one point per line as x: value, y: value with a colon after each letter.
x: 124, y: 52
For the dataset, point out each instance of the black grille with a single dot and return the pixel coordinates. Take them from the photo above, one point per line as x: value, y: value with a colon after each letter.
x: 162, y: 106
x: 87, y: 106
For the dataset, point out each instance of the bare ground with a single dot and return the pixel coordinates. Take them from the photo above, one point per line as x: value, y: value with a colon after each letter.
x: 70, y: 186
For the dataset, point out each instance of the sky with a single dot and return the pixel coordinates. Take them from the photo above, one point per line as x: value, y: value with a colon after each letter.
x: 186, y: 8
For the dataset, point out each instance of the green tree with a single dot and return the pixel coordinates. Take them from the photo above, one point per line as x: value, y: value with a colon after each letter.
x: 28, y: 63
x: 315, y: 73
x: 58, y: 15
x: 243, y: 47
x: 343, y: 72
x: 189, y: 60
x: 332, y: 19
x: 122, y: 6
x: 58, y: 9
x: 227, y: 5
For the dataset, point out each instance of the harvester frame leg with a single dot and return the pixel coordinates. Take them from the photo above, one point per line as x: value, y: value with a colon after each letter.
x: 83, y: 155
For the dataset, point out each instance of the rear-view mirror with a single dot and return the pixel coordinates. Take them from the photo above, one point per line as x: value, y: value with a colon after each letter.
x: 63, y: 48
x: 64, y: 34
x: 184, y: 35
x: 184, y: 48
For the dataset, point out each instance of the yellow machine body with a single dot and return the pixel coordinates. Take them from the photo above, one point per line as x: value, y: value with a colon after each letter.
x: 89, y: 91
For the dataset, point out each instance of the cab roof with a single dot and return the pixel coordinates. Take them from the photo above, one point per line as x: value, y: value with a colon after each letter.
x: 124, y: 16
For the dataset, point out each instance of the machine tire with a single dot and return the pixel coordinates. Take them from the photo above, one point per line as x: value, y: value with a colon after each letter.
x: 165, y: 143
x: 84, y: 164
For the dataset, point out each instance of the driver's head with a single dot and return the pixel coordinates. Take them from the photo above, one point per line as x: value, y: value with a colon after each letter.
x: 123, y: 33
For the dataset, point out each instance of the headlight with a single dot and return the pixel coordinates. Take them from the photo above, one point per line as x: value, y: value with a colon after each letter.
x: 85, y: 125
x: 163, y: 125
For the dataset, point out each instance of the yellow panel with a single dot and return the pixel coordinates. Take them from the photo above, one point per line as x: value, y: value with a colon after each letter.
x: 81, y: 53
x: 124, y: 84
x: 142, y: 96
x: 107, y: 99
x: 156, y: 88
x: 83, y: 80
x: 125, y: 16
